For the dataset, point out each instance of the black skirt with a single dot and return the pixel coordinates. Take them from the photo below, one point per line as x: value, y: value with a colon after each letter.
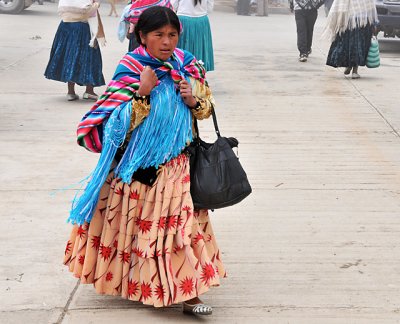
x: 350, y: 48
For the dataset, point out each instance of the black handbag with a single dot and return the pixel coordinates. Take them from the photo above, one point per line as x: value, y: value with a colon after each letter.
x: 217, y: 178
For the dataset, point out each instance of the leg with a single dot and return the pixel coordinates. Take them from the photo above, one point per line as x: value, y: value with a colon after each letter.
x: 90, y: 89
x: 355, y: 74
x: 71, y: 95
x: 71, y: 88
x: 111, y: 7
x: 311, y: 18
x: 114, y: 8
x: 301, y: 31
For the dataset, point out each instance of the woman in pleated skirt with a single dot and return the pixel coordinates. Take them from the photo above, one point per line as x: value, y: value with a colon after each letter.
x: 135, y: 232
x: 196, y: 31
x: 75, y: 56
x: 350, y: 26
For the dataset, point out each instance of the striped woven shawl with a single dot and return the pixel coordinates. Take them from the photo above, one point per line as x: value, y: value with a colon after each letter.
x: 125, y: 82
x: 138, y: 6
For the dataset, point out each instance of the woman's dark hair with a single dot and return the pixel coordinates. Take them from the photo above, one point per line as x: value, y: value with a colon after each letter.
x: 154, y: 18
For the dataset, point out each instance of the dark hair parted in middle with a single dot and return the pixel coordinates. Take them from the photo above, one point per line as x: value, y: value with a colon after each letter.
x: 154, y: 18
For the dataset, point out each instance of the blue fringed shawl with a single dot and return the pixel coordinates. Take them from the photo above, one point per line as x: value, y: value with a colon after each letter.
x: 162, y: 135
x: 114, y: 134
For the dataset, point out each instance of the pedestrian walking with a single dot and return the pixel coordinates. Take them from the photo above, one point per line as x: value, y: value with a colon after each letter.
x: 135, y: 232
x: 75, y: 56
x: 113, y: 8
x: 130, y: 16
x: 243, y: 7
x: 196, y: 31
x: 306, y: 13
x: 350, y: 26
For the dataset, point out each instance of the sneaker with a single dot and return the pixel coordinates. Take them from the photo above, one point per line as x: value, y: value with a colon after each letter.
x: 89, y: 96
x: 303, y: 58
x: 355, y: 76
x: 72, y: 96
x: 309, y: 52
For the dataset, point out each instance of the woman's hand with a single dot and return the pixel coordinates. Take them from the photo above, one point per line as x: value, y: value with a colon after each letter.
x: 375, y: 30
x: 148, y: 80
x: 186, y: 94
x: 95, y: 6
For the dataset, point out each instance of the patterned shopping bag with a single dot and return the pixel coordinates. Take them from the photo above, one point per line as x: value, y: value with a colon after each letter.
x: 373, y: 59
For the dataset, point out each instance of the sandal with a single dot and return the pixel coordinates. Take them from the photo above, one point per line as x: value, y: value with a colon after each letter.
x: 197, y: 309
x: 89, y: 96
x: 72, y: 96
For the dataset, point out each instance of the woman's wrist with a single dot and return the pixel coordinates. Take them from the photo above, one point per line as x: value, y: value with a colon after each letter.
x: 141, y: 93
x: 195, y: 105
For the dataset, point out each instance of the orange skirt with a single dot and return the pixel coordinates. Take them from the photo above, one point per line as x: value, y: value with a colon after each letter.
x: 147, y: 243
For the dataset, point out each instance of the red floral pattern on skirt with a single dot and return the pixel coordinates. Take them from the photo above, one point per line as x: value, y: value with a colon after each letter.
x: 147, y: 243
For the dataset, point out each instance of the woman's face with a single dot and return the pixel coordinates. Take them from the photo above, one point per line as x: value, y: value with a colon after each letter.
x: 161, y: 42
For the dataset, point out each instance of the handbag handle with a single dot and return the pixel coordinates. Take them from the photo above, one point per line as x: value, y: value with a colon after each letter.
x: 214, y: 116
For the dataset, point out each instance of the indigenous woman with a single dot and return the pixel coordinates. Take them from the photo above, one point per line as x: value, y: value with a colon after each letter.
x: 135, y: 232
x: 75, y: 55
x: 350, y: 26
x: 196, y: 32
x: 130, y: 16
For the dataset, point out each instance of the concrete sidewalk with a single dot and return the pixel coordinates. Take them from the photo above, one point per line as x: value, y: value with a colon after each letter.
x: 318, y: 240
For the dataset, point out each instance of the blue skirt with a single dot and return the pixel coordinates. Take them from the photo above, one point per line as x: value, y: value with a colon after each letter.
x: 196, y: 38
x: 71, y: 57
x: 350, y: 48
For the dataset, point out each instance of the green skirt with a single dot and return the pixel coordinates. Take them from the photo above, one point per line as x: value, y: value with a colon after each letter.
x: 196, y: 38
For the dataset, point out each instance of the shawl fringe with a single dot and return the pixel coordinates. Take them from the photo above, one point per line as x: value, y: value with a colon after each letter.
x: 162, y: 135
x: 83, y: 207
x: 348, y: 15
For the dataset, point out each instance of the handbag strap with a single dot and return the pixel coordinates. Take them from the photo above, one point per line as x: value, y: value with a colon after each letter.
x: 214, y: 116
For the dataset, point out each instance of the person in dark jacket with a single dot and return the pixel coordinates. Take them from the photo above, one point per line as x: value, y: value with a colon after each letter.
x: 305, y: 12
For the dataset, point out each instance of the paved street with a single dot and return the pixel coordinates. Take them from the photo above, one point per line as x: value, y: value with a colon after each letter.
x: 318, y: 241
